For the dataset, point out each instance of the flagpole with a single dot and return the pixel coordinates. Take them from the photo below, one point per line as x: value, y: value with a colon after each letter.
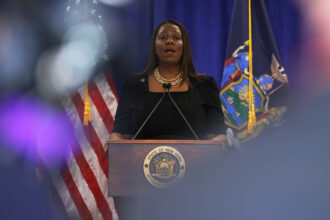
x: 252, y: 116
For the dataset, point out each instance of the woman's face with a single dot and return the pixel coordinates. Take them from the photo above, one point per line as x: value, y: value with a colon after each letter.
x: 169, y: 44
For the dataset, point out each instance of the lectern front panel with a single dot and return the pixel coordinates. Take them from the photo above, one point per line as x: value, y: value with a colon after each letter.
x: 142, y: 167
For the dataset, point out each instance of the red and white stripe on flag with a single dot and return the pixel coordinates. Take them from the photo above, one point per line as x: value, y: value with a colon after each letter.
x: 81, y: 185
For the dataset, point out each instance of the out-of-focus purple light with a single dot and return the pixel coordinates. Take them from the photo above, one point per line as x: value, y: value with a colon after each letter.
x: 35, y: 130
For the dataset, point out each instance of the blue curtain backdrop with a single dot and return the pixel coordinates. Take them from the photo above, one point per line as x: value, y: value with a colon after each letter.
x: 208, y: 23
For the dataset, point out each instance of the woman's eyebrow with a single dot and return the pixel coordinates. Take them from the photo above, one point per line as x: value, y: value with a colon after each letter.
x: 165, y: 32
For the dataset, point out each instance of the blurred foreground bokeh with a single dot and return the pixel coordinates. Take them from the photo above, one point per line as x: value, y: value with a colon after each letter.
x: 46, y: 52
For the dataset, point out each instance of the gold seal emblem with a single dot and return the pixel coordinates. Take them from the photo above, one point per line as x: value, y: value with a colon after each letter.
x: 164, y: 166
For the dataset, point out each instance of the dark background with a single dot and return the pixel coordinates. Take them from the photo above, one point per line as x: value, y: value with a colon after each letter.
x: 39, y: 25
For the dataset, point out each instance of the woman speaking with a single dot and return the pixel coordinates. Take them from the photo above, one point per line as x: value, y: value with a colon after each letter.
x: 169, y: 99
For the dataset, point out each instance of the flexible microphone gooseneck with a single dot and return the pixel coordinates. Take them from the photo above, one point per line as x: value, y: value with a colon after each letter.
x: 168, y: 86
x: 153, y: 110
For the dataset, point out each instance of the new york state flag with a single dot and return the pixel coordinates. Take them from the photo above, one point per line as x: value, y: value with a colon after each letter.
x: 270, y: 82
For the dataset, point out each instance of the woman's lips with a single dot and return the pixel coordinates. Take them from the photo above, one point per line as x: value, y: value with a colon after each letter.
x: 169, y: 51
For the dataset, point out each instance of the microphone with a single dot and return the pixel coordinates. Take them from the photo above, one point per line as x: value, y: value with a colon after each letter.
x: 168, y: 86
x: 165, y: 86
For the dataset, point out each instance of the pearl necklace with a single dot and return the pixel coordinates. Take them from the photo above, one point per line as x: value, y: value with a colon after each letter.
x: 174, y: 81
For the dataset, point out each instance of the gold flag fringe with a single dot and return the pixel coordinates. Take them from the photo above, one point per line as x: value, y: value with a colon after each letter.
x: 87, y: 112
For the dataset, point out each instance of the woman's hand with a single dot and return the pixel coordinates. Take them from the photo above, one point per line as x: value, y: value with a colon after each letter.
x: 116, y: 136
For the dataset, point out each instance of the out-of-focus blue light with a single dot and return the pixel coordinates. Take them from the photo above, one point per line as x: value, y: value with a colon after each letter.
x: 64, y: 69
x: 116, y: 3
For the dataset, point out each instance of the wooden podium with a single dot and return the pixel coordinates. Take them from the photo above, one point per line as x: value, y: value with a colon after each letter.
x: 127, y: 161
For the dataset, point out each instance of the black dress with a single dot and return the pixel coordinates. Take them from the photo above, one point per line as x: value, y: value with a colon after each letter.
x: 200, y: 105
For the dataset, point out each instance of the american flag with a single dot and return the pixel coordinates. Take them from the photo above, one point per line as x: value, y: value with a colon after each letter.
x: 81, y: 185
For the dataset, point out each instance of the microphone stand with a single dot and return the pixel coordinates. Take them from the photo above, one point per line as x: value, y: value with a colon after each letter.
x: 168, y: 86
x: 151, y: 113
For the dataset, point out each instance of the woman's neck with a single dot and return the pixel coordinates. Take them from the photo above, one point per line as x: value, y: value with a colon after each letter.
x: 169, y: 71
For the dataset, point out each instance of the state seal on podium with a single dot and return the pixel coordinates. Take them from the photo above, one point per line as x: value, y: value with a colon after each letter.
x: 164, y: 166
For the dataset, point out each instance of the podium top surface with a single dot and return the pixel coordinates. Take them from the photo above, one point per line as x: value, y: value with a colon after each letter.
x: 149, y: 141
